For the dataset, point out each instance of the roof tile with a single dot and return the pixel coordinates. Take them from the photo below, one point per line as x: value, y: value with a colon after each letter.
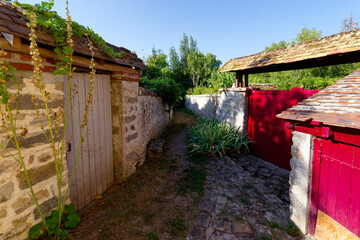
x: 336, y: 44
x: 336, y: 105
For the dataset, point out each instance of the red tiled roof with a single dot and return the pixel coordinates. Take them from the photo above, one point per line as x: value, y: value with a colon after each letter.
x: 13, y: 21
x: 302, y: 55
x: 336, y: 105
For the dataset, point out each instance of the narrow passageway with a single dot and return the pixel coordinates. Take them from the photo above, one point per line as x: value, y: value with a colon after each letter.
x: 180, y: 196
x: 149, y: 204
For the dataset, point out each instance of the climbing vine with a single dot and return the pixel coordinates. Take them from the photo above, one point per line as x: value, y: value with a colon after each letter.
x: 50, y: 20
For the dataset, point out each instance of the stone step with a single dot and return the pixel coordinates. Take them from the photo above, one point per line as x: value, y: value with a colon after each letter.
x: 155, y: 148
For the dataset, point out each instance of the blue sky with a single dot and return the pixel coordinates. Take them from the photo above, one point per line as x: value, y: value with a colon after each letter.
x: 226, y: 28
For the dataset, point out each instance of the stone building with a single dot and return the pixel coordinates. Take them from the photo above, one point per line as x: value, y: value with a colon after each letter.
x: 122, y: 119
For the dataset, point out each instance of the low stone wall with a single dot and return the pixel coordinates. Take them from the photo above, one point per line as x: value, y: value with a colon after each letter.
x: 138, y: 116
x: 300, y: 179
x: 17, y: 208
x: 231, y: 106
x: 202, y: 105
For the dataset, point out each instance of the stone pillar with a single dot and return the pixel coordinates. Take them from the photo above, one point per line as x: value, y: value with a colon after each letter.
x: 126, y: 135
x: 300, y: 179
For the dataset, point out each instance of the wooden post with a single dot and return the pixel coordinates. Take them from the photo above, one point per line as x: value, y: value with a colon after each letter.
x: 246, y: 80
x: 239, y: 81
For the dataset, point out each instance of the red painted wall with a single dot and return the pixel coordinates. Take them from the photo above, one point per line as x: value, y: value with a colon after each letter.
x: 272, y: 141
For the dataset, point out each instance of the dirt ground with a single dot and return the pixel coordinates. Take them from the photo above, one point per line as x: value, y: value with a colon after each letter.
x: 151, y: 203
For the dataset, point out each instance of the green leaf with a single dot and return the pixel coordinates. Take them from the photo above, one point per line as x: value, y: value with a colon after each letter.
x: 70, y: 208
x: 61, y: 233
x: 72, y: 220
x: 36, y: 231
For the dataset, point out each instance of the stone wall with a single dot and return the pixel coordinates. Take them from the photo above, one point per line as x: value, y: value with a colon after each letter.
x: 231, y: 106
x: 138, y: 116
x: 300, y: 179
x: 17, y: 209
x: 202, y: 105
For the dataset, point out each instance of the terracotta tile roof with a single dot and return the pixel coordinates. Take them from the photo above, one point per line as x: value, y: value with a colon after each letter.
x: 306, y: 52
x: 13, y: 21
x: 336, y: 105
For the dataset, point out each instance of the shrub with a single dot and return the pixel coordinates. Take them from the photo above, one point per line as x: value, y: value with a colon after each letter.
x: 200, y: 90
x: 210, y: 136
x: 166, y: 88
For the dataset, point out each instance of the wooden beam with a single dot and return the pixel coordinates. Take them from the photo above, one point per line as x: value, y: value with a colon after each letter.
x: 77, y: 60
x: 239, y: 79
x: 246, y: 80
x: 17, y: 42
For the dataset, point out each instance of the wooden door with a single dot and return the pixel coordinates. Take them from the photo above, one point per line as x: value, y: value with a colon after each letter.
x: 335, y: 187
x: 94, y: 172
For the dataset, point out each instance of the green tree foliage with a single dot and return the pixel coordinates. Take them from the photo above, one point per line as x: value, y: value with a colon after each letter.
x: 307, y: 34
x: 277, y: 45
x: 155, y: 63
x: 188, y: 66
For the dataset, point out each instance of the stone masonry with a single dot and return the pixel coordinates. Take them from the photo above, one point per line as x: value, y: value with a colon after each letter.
x: 17, y: 208
x: 138, y: 116
x: 231, y: 106
x: 300, y: 179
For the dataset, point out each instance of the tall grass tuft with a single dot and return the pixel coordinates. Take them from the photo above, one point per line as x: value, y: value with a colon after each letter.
x: 209, y: 136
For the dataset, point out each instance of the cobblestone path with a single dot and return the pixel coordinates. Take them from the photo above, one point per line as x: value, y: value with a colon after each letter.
x: 245, y: 198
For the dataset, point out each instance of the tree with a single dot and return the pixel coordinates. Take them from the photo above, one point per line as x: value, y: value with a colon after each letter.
x: 174, y: 59
x: 348, y: 24
x: 155, y: 63
x: 197, y: 67
x: 211, y: 62
x: 306, y: 35
x: 277, y: 45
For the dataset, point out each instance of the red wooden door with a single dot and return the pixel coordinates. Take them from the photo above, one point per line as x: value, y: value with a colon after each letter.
x: 272, y: 141
x: 336, y: 183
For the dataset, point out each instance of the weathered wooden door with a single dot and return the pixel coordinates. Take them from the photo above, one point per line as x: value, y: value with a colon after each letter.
x: 94, y: 171
x: 336, y: 184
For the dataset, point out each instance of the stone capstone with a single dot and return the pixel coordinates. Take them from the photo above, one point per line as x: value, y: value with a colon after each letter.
x: 131, y: 137
x: 241, y: 227
x: 32, y: 139
x: 44, y: 157
x: 6, y: 191
x: 3, y: 212
x: 36, y: 175
x: 129, y: 119
x: 25, y: 202
x: 155, y: 148
x: 46, y: 207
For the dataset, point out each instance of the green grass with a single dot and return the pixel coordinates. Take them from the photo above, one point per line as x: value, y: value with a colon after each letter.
x: 149, y: 217
x: 193, y: 181
x: 291, y: 228
x: 151, y: 236
x: 178, y: 224
x: 245, y: 200
x: 263, y: 237
x: 248, y: 186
